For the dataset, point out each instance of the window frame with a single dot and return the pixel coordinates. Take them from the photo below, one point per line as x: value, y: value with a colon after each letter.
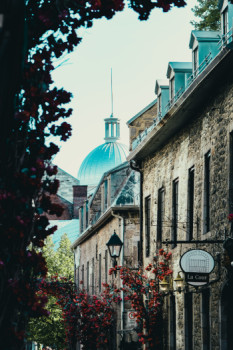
x: 225, y: 21
x: 205, y: 319
x: 195, y: 61
x: 230, y: 201
x: 160, y: 213
x: 100, y: 275
x: 147, y: 224
x: 88, y: 276
x: 172, y: 322
x: 159, y: 98
x: 207, y: 187
x: 106, y: 266
x: 172, y: 89
x: 175, y: 210
x: 188, y: 311
x: 190, y: 204
x: 93, y: 276
x: 82, y: 276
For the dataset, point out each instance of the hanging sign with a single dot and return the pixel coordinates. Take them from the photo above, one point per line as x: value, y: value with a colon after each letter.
x: 197, y: 264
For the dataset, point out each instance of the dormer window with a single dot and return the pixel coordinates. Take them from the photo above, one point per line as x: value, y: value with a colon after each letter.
x: 172, y: 89
x: 225, y: 21
x: 162, y: 92
x: 195, y: 60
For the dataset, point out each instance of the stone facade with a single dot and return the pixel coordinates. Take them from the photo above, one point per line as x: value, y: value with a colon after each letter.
x: 210, y: 131
x: 189, y: 154
x: 141, y: 121
x: 113, y: 207
x: 94, y: 250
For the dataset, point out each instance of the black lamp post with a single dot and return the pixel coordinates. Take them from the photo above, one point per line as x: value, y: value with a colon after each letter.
x: 114, y: 247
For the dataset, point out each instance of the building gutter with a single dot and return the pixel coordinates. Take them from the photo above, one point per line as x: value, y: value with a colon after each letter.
x: 122, y: 264
x: 136, y: 167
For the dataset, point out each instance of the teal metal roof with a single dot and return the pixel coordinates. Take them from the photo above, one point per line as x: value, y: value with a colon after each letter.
x: 101, y: 159
x: 220, y: 4
x: 202, y: 35
x: 70, y: 227
x: 161, y: 83
x: 179, y: 67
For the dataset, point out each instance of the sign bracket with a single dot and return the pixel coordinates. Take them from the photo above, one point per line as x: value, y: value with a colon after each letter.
x: 204, y: 241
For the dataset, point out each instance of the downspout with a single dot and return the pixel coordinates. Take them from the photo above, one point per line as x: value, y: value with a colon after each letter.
x: 122, y: 264
x: 134, y: 166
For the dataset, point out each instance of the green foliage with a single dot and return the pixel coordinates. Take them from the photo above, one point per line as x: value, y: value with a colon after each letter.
x: 50, y: 330
x: 60, y: 262
x: 208, y: 15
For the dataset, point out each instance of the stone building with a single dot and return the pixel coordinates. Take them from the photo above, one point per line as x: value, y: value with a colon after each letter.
x: 186, y: 161
x: 114, y: 207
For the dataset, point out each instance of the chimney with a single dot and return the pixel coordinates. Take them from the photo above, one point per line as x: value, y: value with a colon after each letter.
x: 79, y: 196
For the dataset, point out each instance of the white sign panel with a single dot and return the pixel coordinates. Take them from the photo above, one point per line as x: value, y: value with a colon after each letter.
x: 196, y: 264
x: 130, y: 320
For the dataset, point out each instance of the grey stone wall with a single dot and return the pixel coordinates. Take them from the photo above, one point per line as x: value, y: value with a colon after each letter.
x: 210, y: 130
x: 141, y: 123
x: 67, y: 182
x: 94, y: 248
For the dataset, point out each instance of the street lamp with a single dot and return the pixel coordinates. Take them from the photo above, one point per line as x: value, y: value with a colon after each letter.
x: 168, y: 286
x: 164, y: 285
x: 114, y: 247
x: 179, y: 282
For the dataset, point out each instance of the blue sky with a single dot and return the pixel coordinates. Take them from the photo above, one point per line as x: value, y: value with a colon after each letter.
x: 138, y: 53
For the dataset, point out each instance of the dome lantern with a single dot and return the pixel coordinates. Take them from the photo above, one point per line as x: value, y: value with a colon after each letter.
x: 112, y: 129
x: 106, y: 156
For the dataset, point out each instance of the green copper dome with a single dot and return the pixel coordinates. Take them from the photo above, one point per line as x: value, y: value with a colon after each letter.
x: 104, y: 157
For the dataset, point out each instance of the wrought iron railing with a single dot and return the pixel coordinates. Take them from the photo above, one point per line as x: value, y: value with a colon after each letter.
x: 225, y: 39
x: 174, y: 99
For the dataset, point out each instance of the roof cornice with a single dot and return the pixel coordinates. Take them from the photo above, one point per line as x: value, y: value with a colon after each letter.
x: 187, y: 106
x: 91, y: 230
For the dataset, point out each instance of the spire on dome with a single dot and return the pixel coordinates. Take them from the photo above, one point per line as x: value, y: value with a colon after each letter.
x: 112, y: 125
x: 111, y: 94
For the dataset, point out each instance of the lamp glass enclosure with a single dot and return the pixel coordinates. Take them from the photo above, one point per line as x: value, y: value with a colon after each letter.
x: 114, y: 251
x: 114, y: 246
x: 179, y: 281
x: 164, y: 285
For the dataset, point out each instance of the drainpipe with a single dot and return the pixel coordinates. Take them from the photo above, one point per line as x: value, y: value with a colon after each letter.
x: 134, y: 166
x: 122, y: 264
